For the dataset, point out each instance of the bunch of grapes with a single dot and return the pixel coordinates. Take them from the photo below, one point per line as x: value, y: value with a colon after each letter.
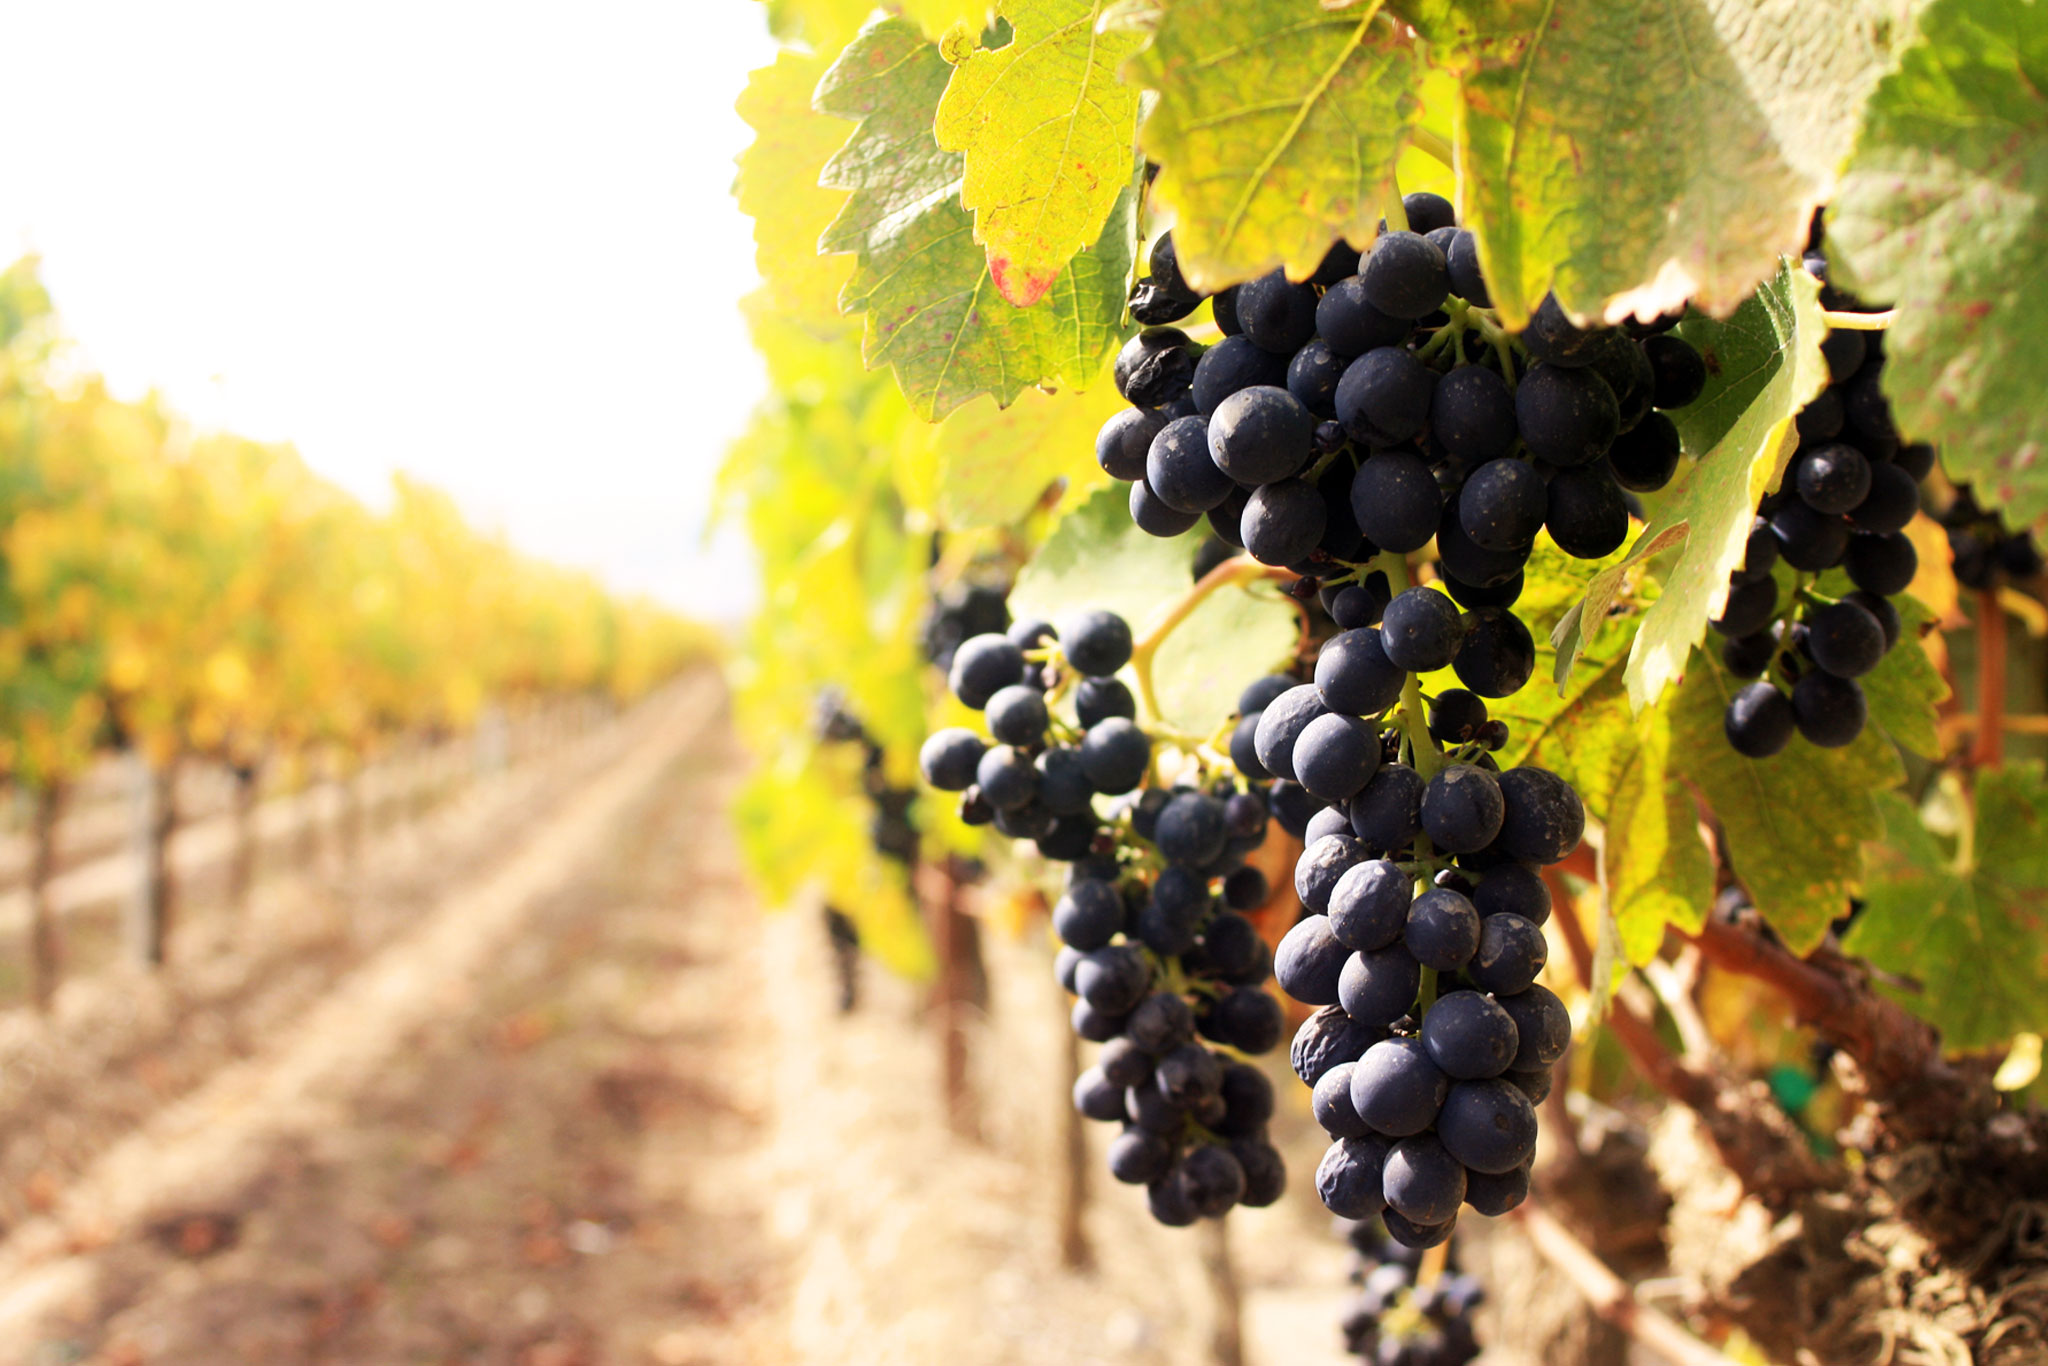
x: 1845, y: 500
x: 890, y: 828
x: 1984, y: 553
x: 1379, y: 405
x: 959, y: 614
x: 1156, y: 949
x: 1394, y: 1320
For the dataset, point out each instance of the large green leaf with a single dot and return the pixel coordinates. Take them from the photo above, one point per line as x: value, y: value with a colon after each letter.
x: 1277, y: 125
x: 1045, y: 131
x: 1635, y: 156
x: 932, y: 310
x: 1972, y: 931
x: 1792, y: 825
x: 1097, y: 558
x: 1944, y: 211
x: 1763, y: 365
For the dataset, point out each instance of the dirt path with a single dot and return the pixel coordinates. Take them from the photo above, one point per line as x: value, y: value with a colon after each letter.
x: 597, y: 1110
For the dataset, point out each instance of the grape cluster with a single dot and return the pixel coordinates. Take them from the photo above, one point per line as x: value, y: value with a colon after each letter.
x: 1396, y: 1321
x: 1984, y: 553
x: 1155, y: 948
x: 1845, y: 500
x: 1421, y: 936
x: 890, y: 828
x: 1379, y: 405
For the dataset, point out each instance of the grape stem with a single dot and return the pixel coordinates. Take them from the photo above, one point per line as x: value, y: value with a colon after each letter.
x: 1989, y: 749
x: 1426, y: 758
x: 1609, y: 1295
x: 1859, y: 322
x: 1241, y: 569
x: 1435, y: 146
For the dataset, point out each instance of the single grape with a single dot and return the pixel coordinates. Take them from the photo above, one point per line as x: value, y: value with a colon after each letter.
x: 1421, y: 630
x: 1283, y: 522
x: 1179, y: 471
x: 1098, y: 699
x: 1113, y: 979
x: 1422, y: 1181
x: 1542, y: 1024
x: 1844, y: 639
x: 1566, y: 416
x: 1337, y: 755
x: 1331, y: 820
x: 1017, y: 715
x: 983, y: 666
x: 1330, y: 1102
x: 1552, y: 338
x: 1844, y: 352
x: 1443, y: 930
x: 1258, y: 435
x: 1882, y: 564
x: 1115, y: 755
x: 1186, y: 1073
x: 1462, y: 808
x: 1405, y: 276
x: 1007, y: 778
x: 1230, y: 365
x: 1586, y: 512
x: 1354, y: 675
x: 1512, y: 889
x: 1309, y: 961
x: 1246, y: 1018
x: 1469, y: 1036
x: 1472, y: 413
x: 1137, y: 1157
x: 1281, y: 724
x: 1809, y: 540
x: 1751, y: 606
x: 1395, y: 499
x: 1832, y: 479
x: 1916, y: 460
x: 1822, y: 419
x: 949, y: 758
x: 1155, y: 367
x: 1680, y: 369
x: 1502, y: 505
x: 1503, y: 594
x: 1512, y: 951
x: 1494, y: 1195
x: 1369, y: 905
x: 1829, y: 711
x: 1385, y: 395
x: 1893, y: 499
x: 1467, y: 562
x: 1277, y: 315
x: 1191, y: 829
x: 1542, y: 820
x: 1359, y: 605
x: 1643, y: 459
x: 1455, y: 716
x: 1351, y: 326
x: 1462, y: 264
x: 1378, y: 986
x: 1489, y: 1126
x: 1387, y: 815
x: 1097, y: 643
x: 1096, y: 1026
x: 1096, y: 1097
x: 1327, y: 1039
x: 1121, y: 444
x: 1397, y: 1089
x: 1088, y: 915
x: 1748, y: 656
x: 1154, y: 517
x: 1312, y: 378
x: 1348, y: 1177
x: 1498, y: 654
x: 1887, y: 616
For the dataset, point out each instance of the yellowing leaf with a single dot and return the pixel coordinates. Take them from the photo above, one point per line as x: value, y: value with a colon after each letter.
x: 995, y: 463
x: 1277, y: 127
x: 940, y: 17
x: 933, y: 313
x: 1944, y: 211
x: 1045, y: 132
x: 1634, y: 156
x: 777, y: 186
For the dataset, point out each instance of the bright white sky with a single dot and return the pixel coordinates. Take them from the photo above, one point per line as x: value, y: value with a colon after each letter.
x: 490, y: 244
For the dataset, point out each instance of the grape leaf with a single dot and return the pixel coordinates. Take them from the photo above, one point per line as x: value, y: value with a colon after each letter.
x: 777, y: 186
x: 1657, y: 870
x: 1763, y: 365
x: 1944, y: 211
x: 1973, y: 933
x: 1044, y: 129
x: 1096, y: 557
x: 1792, y: 825
x: 1277, y: 126
x: 798, y: 829
x: 1631, y: 157
x: 940, y: 17
x: 995, y: 463
x: 932, y: 312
